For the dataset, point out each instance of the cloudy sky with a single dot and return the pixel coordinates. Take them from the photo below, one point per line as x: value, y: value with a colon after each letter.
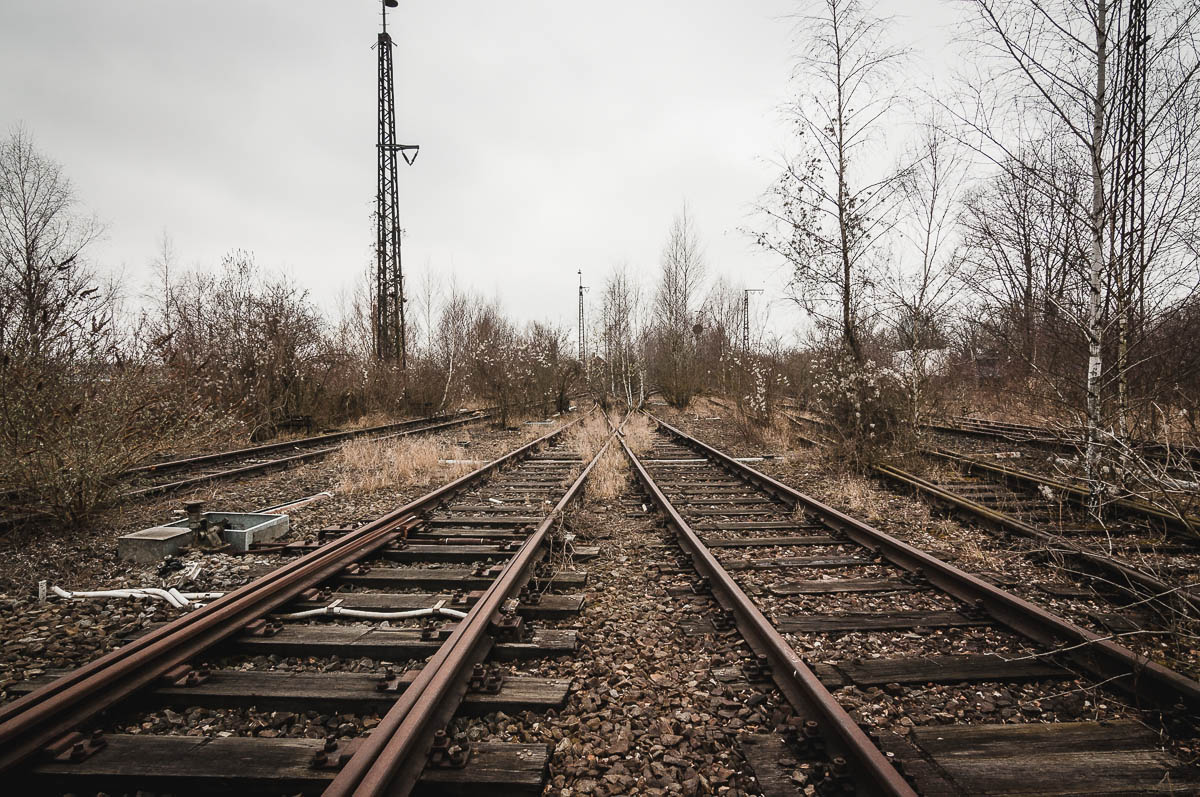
x: 554, y: 135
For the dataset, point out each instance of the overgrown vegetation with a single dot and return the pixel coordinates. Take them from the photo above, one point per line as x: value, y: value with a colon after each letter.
x: 367, y: 465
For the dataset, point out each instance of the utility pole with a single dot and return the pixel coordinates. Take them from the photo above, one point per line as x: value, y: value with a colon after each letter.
x: 583, y: 330
x: 746, y: 317
x: 388, y: 326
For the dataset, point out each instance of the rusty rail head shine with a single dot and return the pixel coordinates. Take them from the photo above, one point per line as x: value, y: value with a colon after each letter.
x: 1136, y: 675
x: 33, y: 721
x: 390, y: 760
x: 870, y: 768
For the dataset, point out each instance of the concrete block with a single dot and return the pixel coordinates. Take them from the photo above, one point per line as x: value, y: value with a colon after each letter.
x: 242, y: 529
x: 150, y: 546
x: 247, y: 528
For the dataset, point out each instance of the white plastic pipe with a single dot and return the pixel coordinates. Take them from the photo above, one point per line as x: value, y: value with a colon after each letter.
x: 180, y: 600
x: 336, y: 609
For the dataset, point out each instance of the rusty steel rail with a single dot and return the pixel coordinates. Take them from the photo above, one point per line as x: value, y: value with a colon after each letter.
x: 282, y: 463
x: 1136, y: 675
x: 390, y: 760
x: 872, y: 771
x: 186, y: 463
x: 39, y: 718
x: 1125, y: 576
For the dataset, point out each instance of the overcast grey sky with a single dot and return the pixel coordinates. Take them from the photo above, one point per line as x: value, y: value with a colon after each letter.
x: 554, y: 135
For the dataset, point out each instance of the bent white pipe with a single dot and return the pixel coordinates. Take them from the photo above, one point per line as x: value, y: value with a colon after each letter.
x: 177, y: 599
x: 335, y: 609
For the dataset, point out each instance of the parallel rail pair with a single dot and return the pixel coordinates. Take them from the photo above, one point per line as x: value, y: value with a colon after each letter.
x: 706, y: 496
x: 391, y: 759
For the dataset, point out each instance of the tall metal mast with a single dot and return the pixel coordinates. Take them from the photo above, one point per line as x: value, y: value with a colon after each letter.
x: 388, y: 324
x: 582, y: 328
x: 1129, y: 176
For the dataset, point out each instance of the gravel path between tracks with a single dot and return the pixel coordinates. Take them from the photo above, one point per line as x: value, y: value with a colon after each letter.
x: 1016, y: 565
x: 653, y: 709
x: 36, y: 636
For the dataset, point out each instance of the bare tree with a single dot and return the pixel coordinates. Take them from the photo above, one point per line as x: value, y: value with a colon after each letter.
x: 924, y: 292
x: 48, y: 297
x: 1053, y: 80
x: 677, y: 324
x: 828, y: 205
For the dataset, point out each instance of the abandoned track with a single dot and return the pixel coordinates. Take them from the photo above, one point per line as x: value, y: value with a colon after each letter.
x: 272, y: 457
x: 885, y: 624
x: 474, y: 550
x: 1067, y: 441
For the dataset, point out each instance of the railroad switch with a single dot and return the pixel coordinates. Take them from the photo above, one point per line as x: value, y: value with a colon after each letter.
x: 485, y: 679
x: 262, y: 627
x: 529, y: 597
x: 75, y: 747
x: 206, y: 534
x: 335, y: 753
x: 185, y: 676
x: 353, y: 569
x: 444, y: 755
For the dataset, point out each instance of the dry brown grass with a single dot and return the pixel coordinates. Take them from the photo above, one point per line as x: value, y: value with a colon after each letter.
x: 638, y: 434
x: 610, y: 475
x: 366, y: 465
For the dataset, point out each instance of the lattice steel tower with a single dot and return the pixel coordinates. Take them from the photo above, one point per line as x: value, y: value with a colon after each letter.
x: 582, y: 328
x: 388, y: 324
x: 1129, y: 174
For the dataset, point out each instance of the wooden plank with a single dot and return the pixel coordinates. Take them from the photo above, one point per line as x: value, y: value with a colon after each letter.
x: 422, y: 552
x: 815, y: 587
x: 471, y: 521
x: 550, y: 606
x: 390, y: 644
x: 1016, y: 740
x: 196, y: 765
x: 333, y: 692
x: 758, y: 542
x: 764, y: 754
x: 796, y: 561
x: 723, y: 501
x: 867, y: 621
x: 946, y: 669
x: 1028, y: 763
x: 442, y: 578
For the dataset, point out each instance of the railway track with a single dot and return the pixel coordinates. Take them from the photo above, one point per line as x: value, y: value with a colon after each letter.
x: 877, y: 626
x: 163, y: 478
x: 428, y: 595
x: 1068, y: 441
x: 1125, y: 561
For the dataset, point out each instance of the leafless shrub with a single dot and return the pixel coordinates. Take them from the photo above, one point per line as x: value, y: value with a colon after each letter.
x: 866, y: 406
